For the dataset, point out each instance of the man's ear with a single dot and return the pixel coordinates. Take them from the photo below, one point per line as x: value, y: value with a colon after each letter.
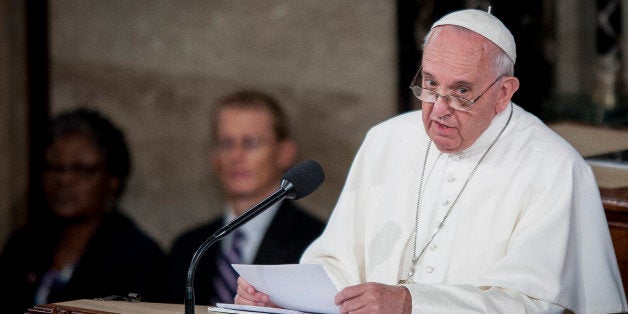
x: 508, y: 88
x: 287, y: 154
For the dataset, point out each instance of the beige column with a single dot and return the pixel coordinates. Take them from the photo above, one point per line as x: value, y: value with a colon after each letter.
x: 13, y: 118
x: 624, y: 47
x: 575, y: 46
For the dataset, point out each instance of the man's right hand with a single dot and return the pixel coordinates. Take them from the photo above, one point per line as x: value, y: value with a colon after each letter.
x: 248, y: 295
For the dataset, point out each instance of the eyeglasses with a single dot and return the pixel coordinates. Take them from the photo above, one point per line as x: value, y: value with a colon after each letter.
x: 83, y: 170
x: 455, y: 102
x: 247, y: 144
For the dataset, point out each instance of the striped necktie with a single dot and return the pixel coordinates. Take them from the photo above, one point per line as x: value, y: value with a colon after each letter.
x: 225, y: 281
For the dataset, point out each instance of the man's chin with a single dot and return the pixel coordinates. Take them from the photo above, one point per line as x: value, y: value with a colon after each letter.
x: 445, y: 144
x: 241, y: 193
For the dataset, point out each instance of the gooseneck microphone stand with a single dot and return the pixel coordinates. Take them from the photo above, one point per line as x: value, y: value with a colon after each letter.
x: 286, y: 191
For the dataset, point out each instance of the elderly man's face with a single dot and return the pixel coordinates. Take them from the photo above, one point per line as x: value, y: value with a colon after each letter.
x: 457, y: 63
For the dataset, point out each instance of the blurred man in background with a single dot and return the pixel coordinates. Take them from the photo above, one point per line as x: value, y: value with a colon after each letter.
x: 251, y: 150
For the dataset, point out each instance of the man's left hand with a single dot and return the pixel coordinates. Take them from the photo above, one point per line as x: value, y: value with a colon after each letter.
x: 373, y: 297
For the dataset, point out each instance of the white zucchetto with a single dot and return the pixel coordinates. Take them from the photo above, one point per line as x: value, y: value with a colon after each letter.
x: 484, y: 24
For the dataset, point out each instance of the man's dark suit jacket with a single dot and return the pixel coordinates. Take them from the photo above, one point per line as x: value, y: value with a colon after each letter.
x: 290, y: 232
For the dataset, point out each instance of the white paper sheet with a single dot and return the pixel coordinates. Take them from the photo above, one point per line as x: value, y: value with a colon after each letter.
x: 301, y: 287
x: 247, y: 309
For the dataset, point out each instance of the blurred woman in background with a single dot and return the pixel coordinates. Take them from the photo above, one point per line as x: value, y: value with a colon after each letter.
x: 85, y: 247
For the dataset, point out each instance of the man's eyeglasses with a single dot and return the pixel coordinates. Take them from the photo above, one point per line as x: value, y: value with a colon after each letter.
x: 455, y: 102
x: 247, y: 143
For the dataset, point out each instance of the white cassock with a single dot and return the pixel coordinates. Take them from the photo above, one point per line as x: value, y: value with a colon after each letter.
x: 528, y: 233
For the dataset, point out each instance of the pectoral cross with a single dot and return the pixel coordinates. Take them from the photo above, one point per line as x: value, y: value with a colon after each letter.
x: 410, y: 275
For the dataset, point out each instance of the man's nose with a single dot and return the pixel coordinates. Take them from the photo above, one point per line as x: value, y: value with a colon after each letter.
x: 441, y: 106
x: 237, y: 151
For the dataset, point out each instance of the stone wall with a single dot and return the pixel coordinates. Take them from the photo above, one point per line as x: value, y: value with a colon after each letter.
x: 13, y: 118
x: 156, y: 67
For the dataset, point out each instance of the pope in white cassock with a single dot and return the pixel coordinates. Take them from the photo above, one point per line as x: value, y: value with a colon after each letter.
x: 471, y: 204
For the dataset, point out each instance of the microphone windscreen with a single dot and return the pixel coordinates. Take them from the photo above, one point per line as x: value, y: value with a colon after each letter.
x: 306, y: 177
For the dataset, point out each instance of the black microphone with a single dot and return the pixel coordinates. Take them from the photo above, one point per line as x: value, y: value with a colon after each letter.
x: 299, y: 181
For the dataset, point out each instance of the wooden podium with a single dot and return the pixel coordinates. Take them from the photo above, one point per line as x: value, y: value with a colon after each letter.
x: 112, y: 307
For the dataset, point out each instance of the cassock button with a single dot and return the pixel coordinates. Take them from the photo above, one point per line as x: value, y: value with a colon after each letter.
x: 450, y: 178
x: 433, y: 246
x: 429, y: 269
x: 444, y: 202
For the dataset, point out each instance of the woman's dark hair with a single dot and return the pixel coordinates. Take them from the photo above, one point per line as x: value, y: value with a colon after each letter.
x: 107, y: 137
